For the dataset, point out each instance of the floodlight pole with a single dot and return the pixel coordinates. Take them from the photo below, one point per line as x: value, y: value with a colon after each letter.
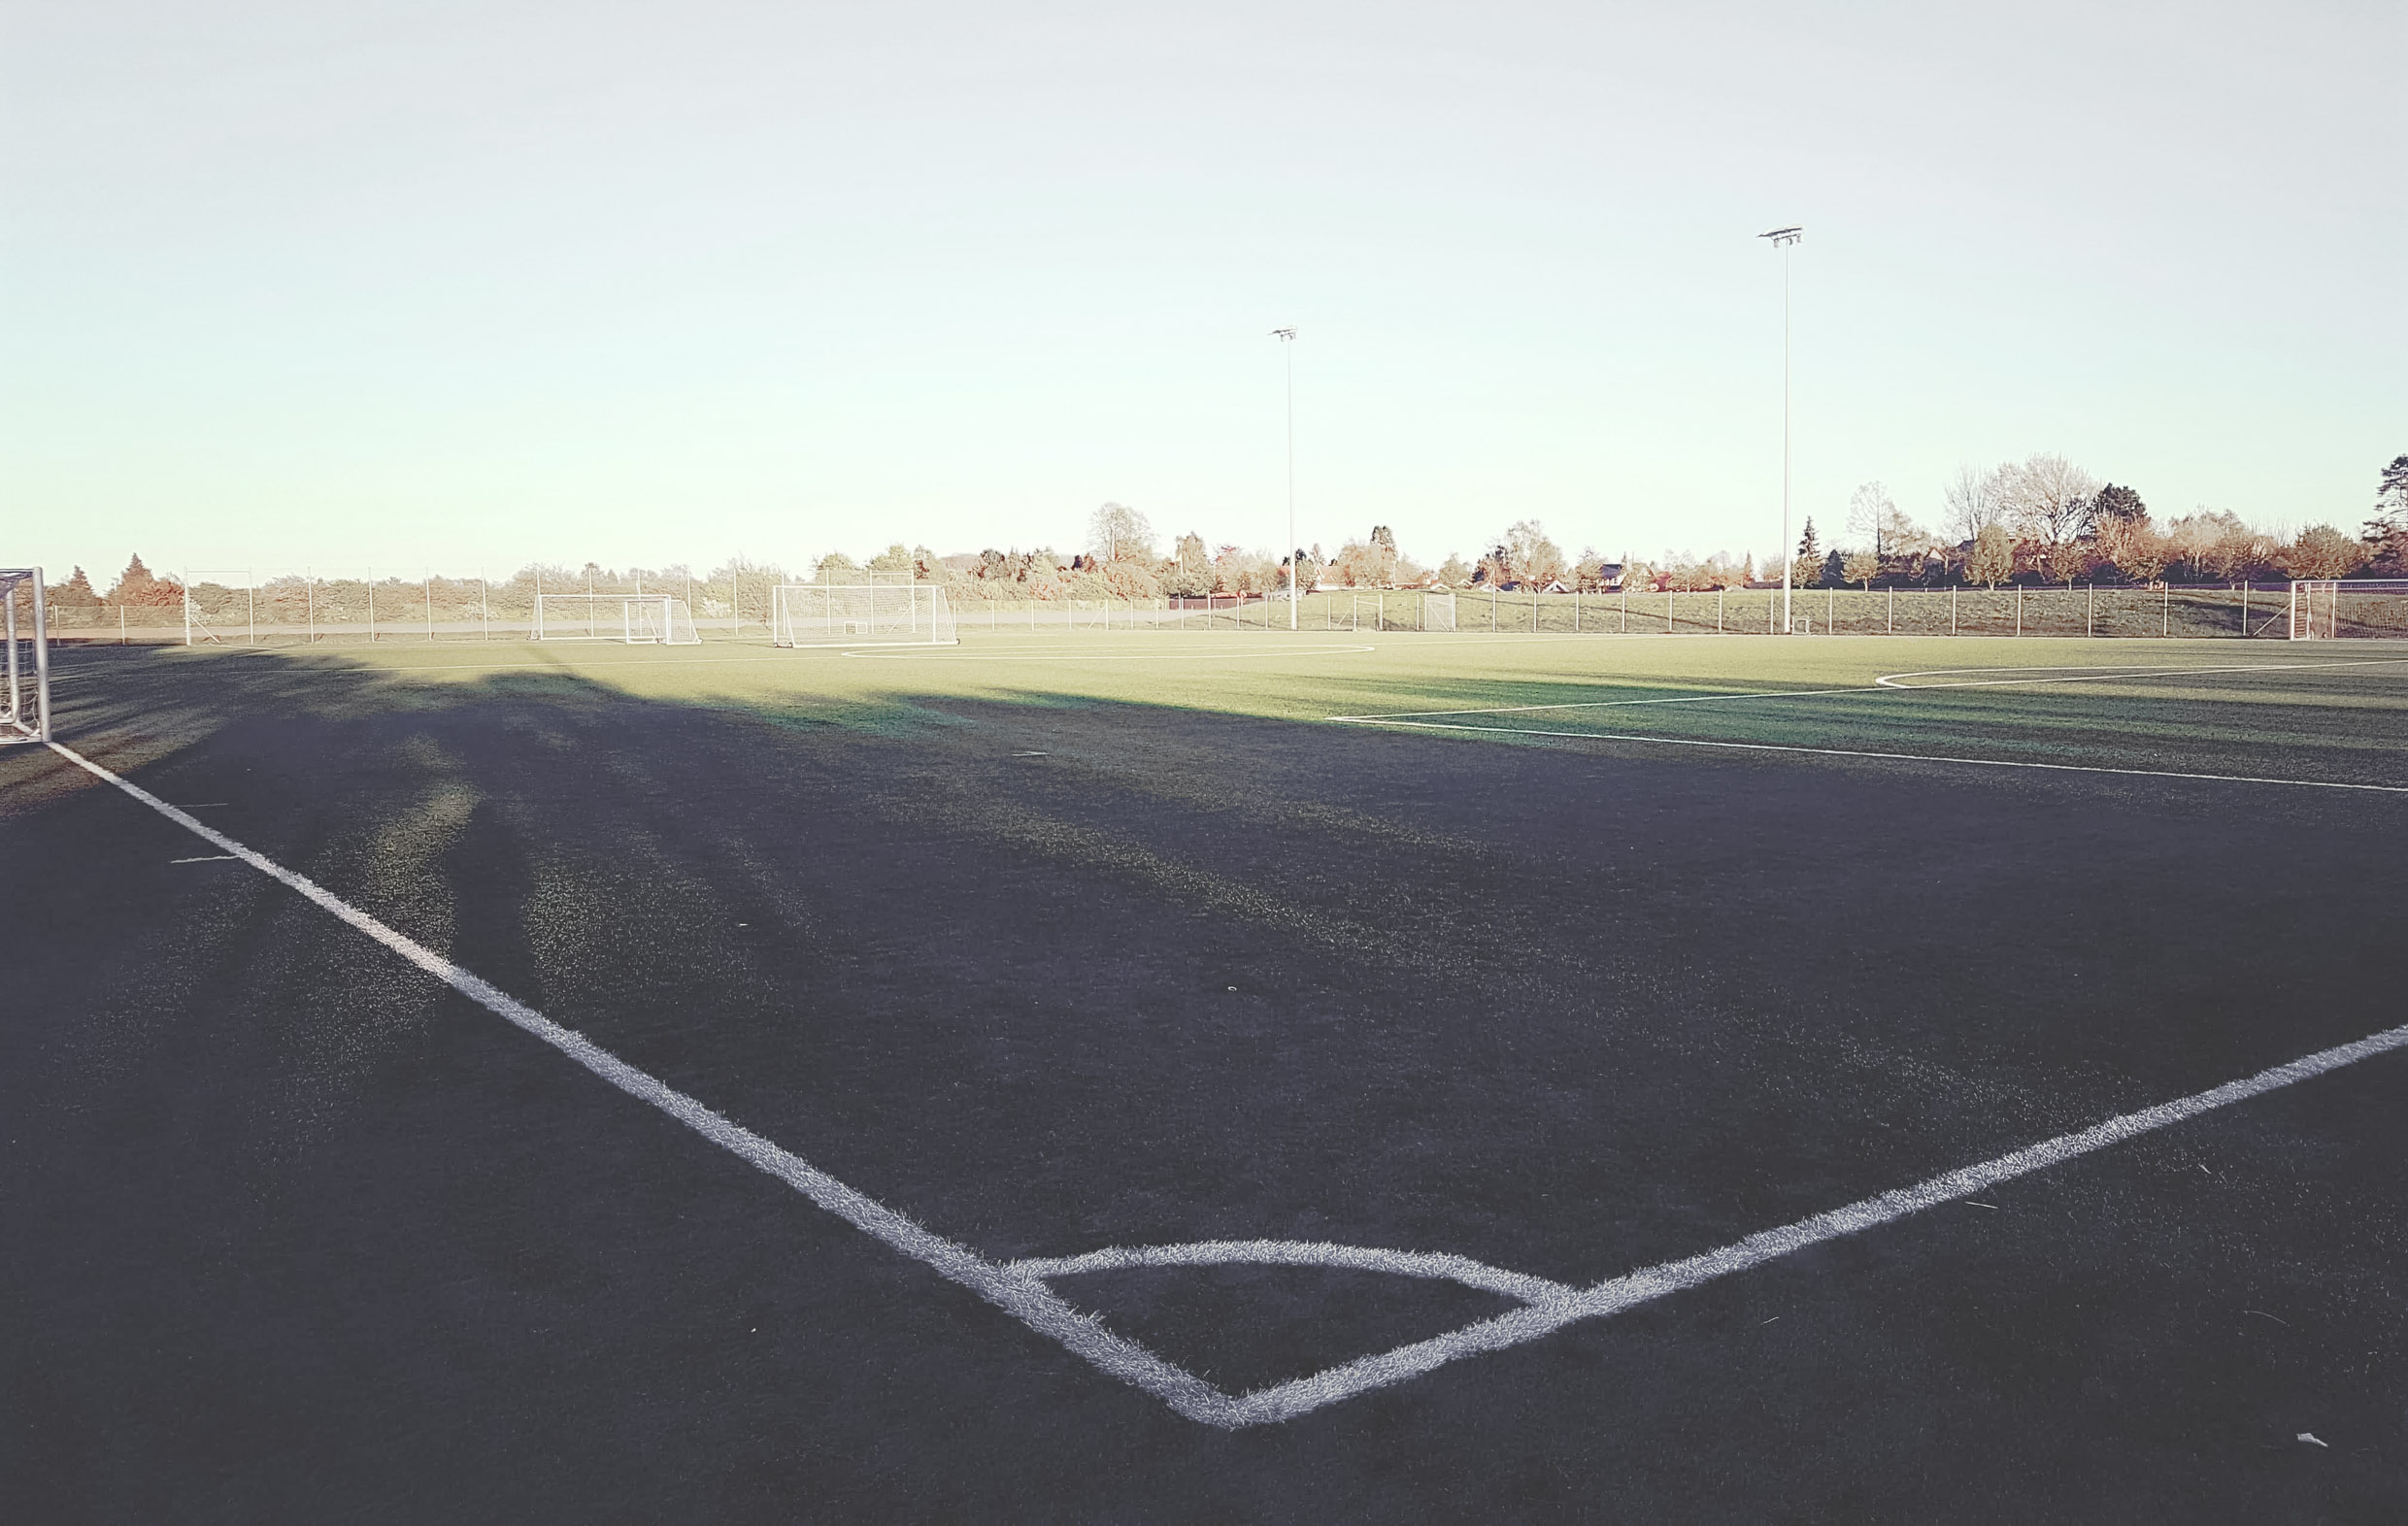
x: 1287, y: 350
x: 1783, y: 239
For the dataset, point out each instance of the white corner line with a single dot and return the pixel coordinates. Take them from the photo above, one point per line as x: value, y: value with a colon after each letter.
x: 1020, y: 1288
x: 1884, y: 757
x: 1613, y: 1295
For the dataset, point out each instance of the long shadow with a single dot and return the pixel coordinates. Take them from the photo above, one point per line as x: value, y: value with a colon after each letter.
x: 1047, y: 976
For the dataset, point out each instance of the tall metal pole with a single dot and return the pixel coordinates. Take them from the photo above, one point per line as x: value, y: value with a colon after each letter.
x: 1288, y: 349
x: 1783, y: 239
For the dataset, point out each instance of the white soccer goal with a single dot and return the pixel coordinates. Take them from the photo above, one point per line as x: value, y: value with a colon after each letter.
x: 2327, y: 610
x: 648, y: 620
x: 1438, y: 611
x: 26, y: 717
x: 866, y: 614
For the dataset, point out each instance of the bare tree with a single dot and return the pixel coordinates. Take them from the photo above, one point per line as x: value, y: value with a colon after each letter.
x: 1525, y: 555
x: 1118, y: 533
x: 1973, y: 502
x: 2049, y: 498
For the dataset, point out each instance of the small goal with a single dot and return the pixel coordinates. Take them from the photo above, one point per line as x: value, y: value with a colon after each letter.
x: 27, y: 716
x: 633, y: 620
x: 2365, y: 608
x: 867, y: 615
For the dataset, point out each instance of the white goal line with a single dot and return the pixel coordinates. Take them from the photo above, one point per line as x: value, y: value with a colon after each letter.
x: 1021, y: 1289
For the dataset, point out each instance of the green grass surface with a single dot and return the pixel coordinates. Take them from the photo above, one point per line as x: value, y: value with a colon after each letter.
x: 2337, y: 713
x: 1086, y: 940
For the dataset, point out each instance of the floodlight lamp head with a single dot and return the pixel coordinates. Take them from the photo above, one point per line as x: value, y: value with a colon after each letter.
x: 1283, y: 334
x: 1782, y: 237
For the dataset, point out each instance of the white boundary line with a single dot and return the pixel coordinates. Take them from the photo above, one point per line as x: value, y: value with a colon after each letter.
x: 1888, y: 682
x: 1026, y: 1298
x: 1886, y: 757
x: 1318, y: 650
x: 1020, y: 1288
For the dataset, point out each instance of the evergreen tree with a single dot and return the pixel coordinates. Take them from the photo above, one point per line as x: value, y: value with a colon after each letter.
x: 138, y: 586
x: 2386, y: 533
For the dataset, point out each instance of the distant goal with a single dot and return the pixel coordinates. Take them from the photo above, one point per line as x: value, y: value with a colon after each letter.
x: 26, y: 717
x: 2365, y: 608
x: 628, y: 619
x: 895, y: 615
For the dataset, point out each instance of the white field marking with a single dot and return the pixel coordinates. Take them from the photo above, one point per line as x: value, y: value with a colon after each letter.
x: 1021, y: 1291
x: 1888, y: 682
x: 1332, y: 649
x: 1616, y: 1294
x: 1303, y: 1254
x: 565, y: 665
x: 206, y: 858
x: 1886, y: 757
x: 1676, y: 699
x: 1024, y: 1297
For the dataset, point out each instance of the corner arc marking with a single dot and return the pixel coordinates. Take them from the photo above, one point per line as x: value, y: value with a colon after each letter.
x: 1437, y: 1264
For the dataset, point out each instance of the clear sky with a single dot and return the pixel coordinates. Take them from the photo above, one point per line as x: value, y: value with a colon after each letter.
x: 472, y: 283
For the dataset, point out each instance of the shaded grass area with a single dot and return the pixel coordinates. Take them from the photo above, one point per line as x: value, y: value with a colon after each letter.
x: 1205, y: 968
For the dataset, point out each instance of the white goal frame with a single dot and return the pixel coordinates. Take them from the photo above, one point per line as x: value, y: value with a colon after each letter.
x: 650, y: 619
x: 26, y: 717
x: 2316, y: 609
x: 861, y: 615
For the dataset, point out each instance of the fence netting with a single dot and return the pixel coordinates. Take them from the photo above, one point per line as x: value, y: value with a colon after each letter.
x: 236, y: 608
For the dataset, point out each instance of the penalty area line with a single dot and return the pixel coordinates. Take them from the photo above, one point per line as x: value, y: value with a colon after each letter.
x: 1856, y: 752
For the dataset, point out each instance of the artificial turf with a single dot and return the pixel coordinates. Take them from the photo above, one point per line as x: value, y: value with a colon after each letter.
x: 1092, y: 939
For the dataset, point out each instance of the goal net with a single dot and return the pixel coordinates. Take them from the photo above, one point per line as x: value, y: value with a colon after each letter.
x: 647, y: 620
x: 1438, y: 611
x: 2360, y: 607
x: 26, y: 713
x: 895, y: 615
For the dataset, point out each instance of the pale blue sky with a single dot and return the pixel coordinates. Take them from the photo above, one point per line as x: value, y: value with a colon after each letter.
x: 468, y: 284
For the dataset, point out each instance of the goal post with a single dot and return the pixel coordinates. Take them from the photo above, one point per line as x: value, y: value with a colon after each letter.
x: 27, y: 716
x: 861, y: 615
x: 2339, y: 609
x: 1437, y: 612
x: 626, y: 619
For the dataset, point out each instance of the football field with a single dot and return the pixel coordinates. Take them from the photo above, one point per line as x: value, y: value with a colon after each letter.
x: 1133, y: 1075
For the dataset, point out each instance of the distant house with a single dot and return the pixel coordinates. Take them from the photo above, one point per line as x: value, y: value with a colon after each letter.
x: 1556, y: 585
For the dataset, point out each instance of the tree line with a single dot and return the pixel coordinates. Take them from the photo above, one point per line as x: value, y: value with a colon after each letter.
x: 2042, y: 519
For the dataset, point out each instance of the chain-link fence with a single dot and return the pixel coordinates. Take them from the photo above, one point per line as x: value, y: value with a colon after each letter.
x: 237, y: 607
